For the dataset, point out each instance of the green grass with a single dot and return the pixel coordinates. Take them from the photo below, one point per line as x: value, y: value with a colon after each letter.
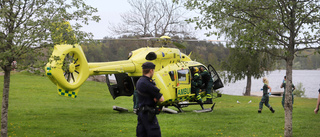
x: 36, y: 109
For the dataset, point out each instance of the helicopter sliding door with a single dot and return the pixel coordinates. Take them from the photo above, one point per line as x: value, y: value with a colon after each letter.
x: 122, y: 86
x: 217, y: 83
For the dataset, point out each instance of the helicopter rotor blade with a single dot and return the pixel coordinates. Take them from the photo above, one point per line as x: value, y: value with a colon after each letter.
x: 179, y: 45
x: 68, y: 77
x: 75, y: 61
x: 72, y: 77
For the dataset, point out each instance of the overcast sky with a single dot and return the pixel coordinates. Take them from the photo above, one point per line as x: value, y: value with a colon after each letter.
x: 109, y: 12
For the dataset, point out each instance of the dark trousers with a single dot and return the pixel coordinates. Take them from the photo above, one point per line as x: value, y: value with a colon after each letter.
x: 283, y: 96
x: 146, y: 128
x: 209, y: 88
x: 265, y: 101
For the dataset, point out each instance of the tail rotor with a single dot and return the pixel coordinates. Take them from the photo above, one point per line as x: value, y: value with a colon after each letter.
x: 68, y: 69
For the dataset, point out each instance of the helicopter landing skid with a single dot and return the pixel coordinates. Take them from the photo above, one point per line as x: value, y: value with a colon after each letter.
x: 178, y: 106
x: 120, y: 109
x: 205, y: 110
x: 168, y: 110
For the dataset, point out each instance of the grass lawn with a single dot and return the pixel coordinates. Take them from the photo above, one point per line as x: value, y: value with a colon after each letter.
x: 36, y: 109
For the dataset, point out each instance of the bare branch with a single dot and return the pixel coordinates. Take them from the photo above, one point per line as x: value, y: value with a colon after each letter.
x: 151, y: 18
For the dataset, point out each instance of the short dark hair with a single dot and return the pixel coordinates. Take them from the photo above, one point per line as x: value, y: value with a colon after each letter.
x: 148, y: 65
x: 285, y: 77
x: 145, y: 71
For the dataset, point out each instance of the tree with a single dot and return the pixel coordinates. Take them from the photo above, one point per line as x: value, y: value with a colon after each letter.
x: 25, y: 25
x: 242, y: 63
x: 289, y: 25
x: 153, y: 18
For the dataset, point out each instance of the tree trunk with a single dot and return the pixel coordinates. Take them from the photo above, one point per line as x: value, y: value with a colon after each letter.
x: 248, y: 88
x: 288, y: 97
x: 5, y: 103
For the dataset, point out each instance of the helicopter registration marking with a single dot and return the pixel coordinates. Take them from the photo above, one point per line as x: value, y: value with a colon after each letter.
x: 184, y: 91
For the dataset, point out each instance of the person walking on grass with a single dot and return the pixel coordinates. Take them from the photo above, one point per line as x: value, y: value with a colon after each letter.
x: 265, y: 96
x: 318, y: 103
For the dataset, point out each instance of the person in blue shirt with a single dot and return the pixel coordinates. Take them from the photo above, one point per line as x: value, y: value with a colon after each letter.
x: 148, y: 95
x: 265, y: 96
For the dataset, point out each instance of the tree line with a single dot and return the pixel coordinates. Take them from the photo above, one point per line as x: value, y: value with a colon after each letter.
x: 204, y: 52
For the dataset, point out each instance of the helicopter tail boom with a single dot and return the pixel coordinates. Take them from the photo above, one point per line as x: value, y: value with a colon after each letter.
x: 125, y: 66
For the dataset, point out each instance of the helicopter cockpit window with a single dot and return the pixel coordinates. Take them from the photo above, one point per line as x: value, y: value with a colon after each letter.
x: 171, y: 73
x: 182, y: 75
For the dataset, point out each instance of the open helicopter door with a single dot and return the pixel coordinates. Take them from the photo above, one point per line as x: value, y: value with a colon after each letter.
x: 122, y: 86
x: 217, y: 83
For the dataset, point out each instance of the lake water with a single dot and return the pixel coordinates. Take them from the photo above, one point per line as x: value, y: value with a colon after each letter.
x: 310, y: 80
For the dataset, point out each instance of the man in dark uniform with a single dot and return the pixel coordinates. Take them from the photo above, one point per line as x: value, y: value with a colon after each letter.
x: 149, y: 96
x: 196, y: 84
x: 208, y: 83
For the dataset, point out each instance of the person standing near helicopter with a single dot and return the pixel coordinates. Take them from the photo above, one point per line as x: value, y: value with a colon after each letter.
x: 208, y: 83
x: 196, y: 83
x: 149, y: 95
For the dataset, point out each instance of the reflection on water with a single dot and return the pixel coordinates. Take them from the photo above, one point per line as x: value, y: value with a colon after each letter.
x: 310, y: 80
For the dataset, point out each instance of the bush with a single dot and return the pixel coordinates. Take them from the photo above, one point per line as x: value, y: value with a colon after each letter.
x: 300, y: 90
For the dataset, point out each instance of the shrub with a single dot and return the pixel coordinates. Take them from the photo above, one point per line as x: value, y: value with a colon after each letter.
x: 300, y: 90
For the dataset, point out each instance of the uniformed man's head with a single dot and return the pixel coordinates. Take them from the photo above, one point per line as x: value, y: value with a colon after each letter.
x: 148, y: 68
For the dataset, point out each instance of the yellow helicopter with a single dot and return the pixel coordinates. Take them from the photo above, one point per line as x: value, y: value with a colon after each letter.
x: 68, y: 69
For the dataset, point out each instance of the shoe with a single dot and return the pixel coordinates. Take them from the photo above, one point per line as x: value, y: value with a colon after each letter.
x: 259, y: 111
x: 272, y: 110
x: 135, y: 111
